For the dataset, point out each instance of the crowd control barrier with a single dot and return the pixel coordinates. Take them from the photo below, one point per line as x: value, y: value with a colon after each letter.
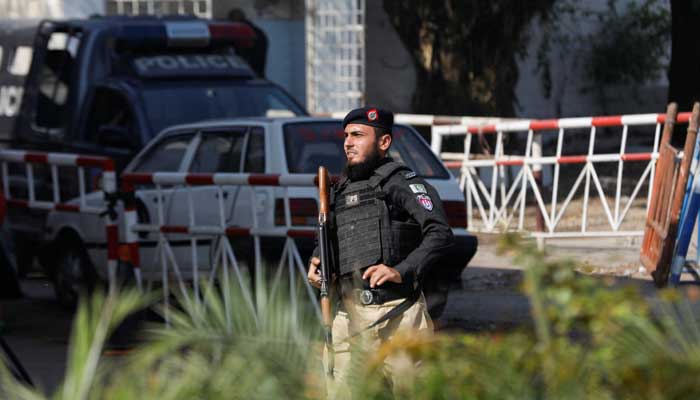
x: 29, y: 159
x: 496, y: 202
x: 667, y: 198
x: 216, y: 231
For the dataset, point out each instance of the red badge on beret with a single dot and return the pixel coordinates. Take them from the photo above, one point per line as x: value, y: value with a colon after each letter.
x: 372, y: 115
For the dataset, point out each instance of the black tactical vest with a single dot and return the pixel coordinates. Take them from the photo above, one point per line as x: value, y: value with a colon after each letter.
x: 366, y: 234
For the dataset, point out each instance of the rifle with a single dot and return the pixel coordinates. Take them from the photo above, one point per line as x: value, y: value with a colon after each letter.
x: 324, y: 247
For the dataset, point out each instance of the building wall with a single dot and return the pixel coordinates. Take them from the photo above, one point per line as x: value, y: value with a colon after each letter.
x: 390, y: 77
x: 283, y: 23
x: 24, y: 9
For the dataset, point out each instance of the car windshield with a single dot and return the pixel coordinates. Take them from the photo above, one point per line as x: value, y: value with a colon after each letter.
x: 170, y: 104
x: 310, y: 144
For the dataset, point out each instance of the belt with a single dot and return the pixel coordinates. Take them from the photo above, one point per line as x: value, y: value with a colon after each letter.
x: 378, y: 296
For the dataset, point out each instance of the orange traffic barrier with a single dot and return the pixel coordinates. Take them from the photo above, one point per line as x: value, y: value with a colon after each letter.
x: 667, y: 197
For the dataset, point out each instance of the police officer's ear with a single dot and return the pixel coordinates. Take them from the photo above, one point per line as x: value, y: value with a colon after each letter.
x: 383, y: 140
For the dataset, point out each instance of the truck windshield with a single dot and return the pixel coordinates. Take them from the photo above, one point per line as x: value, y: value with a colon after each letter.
x: 170, y: 104
x: 310, y: 144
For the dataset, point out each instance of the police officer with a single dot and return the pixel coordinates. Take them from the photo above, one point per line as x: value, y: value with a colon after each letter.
x: 388, y: 228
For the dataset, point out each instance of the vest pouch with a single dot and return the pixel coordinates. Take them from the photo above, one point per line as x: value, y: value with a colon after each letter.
x: 359, y: 244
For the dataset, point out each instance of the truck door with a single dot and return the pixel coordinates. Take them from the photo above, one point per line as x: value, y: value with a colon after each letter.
x: 48, y: 90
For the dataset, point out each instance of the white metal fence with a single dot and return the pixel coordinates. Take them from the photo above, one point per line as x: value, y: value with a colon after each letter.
x: 497, y: 187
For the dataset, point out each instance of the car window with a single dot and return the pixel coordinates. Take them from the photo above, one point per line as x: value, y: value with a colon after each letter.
x: 409, y: 148
x: 166, y: 156
x: 219, y: 152
x: 255, y: 154
x: 310, y: 144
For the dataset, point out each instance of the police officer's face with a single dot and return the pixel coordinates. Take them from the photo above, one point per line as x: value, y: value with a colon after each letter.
x: 361, y: 143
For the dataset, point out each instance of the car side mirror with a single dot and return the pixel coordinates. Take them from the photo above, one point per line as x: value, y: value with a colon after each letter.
x: 116, y: 136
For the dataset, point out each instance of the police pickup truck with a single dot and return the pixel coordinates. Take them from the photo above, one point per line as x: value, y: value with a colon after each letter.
x: 251, y: 145
x: 107, y: 85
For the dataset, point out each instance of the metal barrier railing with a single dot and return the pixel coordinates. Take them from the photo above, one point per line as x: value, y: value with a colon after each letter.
x: 498, y: 203
x: 224, y: 253
x: 78, y: 205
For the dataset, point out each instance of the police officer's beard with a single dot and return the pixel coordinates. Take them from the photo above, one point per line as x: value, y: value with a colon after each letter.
x: 363, y: 170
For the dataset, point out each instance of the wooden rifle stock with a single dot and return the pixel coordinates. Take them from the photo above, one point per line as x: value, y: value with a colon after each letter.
x: 324, y: 253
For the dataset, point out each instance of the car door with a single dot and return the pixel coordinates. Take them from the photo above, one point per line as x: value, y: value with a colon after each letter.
x: 217, y: 150
x: 252, y: 201
x: 168, y: 155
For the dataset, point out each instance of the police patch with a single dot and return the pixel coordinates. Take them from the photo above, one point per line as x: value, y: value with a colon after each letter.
x: 352, y: 199
x: 409, y: 175
x: 418, y: 188
x: 372, y: 115
x: 425, y: 201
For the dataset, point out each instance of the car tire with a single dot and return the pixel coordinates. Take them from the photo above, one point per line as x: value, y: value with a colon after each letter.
x: 74, y: 275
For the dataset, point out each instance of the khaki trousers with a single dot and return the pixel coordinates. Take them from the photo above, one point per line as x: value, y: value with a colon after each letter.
x: 354, y: 318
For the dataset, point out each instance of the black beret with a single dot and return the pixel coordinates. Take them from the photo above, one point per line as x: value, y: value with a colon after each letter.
x: 371, y: 116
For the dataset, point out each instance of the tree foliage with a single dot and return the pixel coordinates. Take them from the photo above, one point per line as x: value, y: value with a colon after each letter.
x: 622, y: 43
x: 465, y: 52
x: 589, y: 339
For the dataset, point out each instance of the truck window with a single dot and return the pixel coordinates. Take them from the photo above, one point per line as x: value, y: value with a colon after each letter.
x: 169, y: 104
x: 219, y: 152
x: 55, y: 79
x: 20, y: 60
x: 110, y: 110
x: 255, y: 153
x: 166, y: 156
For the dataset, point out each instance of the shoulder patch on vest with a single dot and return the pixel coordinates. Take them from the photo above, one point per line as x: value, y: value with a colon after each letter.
x: 418, y: 188
x: 425, y: 201
x: 409, y: 174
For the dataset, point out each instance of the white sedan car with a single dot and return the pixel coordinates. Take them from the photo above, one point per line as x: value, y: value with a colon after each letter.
x: 257, y: 145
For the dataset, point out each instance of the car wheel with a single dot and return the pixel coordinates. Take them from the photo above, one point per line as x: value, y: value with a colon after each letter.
x: 74, y: 274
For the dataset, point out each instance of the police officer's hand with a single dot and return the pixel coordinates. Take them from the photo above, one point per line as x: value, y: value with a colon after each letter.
x: 378, y: 274
x: 314, y: 275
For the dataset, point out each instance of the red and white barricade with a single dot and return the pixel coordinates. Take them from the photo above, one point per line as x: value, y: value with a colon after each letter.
x: 224, y: 259
x: 496, y: 203
x: 29, y: 159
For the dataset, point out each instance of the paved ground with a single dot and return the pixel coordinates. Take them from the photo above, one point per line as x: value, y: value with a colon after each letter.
x: 37, y: 328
